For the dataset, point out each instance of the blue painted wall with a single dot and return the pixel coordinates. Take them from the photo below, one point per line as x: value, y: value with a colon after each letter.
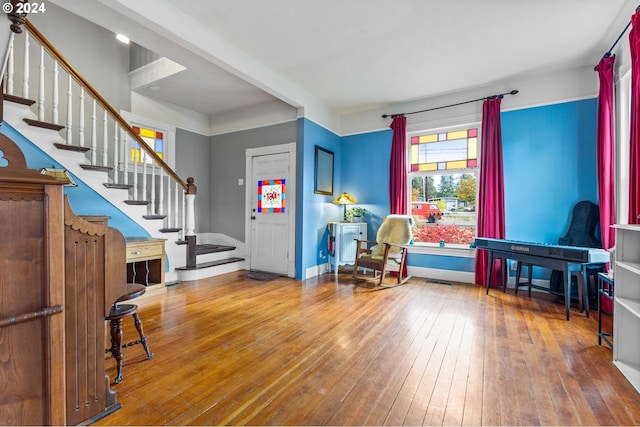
x: 365, y: 174
x: 83, y: 200
x: 549, y: 165
x: 314, y: 210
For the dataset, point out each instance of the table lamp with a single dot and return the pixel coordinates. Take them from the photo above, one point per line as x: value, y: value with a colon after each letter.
x: 345, y: 199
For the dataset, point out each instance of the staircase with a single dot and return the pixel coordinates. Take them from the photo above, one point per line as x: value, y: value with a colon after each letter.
x: 148, y: 192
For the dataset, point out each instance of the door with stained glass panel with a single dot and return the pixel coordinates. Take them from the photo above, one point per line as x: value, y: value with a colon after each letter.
x: 269, y: 213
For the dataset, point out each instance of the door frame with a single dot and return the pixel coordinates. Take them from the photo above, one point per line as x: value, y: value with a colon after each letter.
x: 250, y: 153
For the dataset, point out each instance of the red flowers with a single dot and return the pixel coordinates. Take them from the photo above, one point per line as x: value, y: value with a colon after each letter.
x: 433, y: 233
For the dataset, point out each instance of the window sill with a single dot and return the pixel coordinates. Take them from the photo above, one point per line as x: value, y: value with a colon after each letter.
x: 463, y: 251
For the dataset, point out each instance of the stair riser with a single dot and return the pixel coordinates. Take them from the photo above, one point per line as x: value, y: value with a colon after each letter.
x: 203, y: 273
x: 215, y: 256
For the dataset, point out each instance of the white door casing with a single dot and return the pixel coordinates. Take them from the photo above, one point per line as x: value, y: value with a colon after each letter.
x: 270, y: 235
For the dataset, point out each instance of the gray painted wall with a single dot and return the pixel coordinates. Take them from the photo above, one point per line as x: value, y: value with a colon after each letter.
x: 93, y: 51
x: 192, y: 160
x: 227, y: 162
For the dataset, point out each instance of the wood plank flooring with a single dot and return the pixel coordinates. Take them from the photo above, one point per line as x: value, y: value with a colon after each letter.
x: 234, y: 351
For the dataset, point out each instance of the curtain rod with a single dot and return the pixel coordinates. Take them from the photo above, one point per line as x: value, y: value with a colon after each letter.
x: 393, y: 116
x: 608, y: 53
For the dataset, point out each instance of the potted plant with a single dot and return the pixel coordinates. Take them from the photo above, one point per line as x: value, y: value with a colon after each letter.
x: 355, y: 214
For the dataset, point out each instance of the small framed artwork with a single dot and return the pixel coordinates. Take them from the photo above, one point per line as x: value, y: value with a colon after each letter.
x: 324, y: 171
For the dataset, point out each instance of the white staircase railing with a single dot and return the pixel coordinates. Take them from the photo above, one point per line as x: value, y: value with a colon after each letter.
x: 100, y: 131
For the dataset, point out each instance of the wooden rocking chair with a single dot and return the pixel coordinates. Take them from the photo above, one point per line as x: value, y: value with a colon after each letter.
x: 387, y: 253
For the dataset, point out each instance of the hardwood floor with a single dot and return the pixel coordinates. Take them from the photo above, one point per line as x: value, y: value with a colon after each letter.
x: 234, y: 351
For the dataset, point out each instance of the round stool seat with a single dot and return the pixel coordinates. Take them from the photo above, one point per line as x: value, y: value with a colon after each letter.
x: 118, y: 311
x: 134, y: 290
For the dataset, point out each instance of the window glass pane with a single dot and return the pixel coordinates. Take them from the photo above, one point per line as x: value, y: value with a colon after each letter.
x: 444, y: 151
x: 444, y: 208
x: 153, y: 138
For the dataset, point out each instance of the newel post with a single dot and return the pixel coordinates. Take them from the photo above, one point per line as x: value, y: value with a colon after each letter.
x: 190, y: 222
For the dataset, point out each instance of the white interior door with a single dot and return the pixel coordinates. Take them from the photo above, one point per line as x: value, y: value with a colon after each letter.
x: 270, y: 213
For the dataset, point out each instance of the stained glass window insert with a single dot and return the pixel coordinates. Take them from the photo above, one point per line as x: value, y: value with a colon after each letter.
x: 272, y: 196
x: 444, y: 151
x: 153, y: 138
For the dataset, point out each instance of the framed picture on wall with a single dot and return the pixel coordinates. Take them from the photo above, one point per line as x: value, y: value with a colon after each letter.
x: 324, y: 171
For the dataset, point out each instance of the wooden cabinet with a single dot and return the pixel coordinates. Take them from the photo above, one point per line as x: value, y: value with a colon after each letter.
x: 626, y: 308
x: 342, y: 242
x: 145, y: 262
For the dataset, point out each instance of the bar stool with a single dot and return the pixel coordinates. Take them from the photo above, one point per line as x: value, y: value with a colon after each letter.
x: 118, y: 312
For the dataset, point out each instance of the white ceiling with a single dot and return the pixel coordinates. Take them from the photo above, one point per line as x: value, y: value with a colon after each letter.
x: 354, y: 55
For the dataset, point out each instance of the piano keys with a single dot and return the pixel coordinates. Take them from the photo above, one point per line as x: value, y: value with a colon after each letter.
x: 567, y: 259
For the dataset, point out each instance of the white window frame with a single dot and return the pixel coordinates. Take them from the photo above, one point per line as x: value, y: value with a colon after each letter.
x: 430, y: 247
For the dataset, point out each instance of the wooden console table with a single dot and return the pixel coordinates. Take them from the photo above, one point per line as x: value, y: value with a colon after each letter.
x: 145, y: 262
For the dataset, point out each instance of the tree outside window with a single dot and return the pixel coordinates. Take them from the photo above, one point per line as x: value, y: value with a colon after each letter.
x: 444, y: 186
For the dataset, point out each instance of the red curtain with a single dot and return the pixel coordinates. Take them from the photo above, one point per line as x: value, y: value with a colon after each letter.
x: 604, y: 151
x: 634, y: 165
x: 490, y: 206
x: 398, y: 167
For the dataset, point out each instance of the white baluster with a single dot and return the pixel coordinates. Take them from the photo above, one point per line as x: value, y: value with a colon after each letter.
x: 41, y: 86
x: 143, y: 164
x: 115, y: 153
x: 94, y: 133
x: 154, y: 210
x: 81, y: 118
x: 135, y: 175
x: 183, y: 216
x: 160, y: 192
x: 105, y: 139
x: 25, y: 72
x: 175, y: 205
x: 10, y: 66
x: 125, y: 142
x: 54, y: 95
x: 169, y: 204
x: 70, y: 111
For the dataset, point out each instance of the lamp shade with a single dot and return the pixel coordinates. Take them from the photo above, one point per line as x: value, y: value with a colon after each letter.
x: 345, y: 199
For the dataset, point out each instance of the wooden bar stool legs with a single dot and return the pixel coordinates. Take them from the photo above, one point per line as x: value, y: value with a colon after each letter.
x: 118, y: 312
x: 143, y: 338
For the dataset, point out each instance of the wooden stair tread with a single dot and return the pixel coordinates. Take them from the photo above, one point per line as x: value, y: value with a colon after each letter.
x: 69, y: 147
x: 154, y: 216
x: 19, y: 99
x: 44, y: 125
x: 137, y: 202
x: 119, y: 186
x: 211, y: 248
x: 169, y: 230
x: 211, y: 264
x: 96, y: 168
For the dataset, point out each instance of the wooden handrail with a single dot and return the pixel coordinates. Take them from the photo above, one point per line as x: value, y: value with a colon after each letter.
x: 122, y: 122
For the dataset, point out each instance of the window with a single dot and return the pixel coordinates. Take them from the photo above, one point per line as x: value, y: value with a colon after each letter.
x: 443, y: 176
x: 159, y: 136
x: 153, y: 138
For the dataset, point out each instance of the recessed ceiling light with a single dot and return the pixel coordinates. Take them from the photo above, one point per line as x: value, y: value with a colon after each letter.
x: 155, y: 88
x: 124, y: 39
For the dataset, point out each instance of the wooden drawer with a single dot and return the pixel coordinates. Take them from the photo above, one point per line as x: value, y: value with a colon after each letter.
x: 147, y: 249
